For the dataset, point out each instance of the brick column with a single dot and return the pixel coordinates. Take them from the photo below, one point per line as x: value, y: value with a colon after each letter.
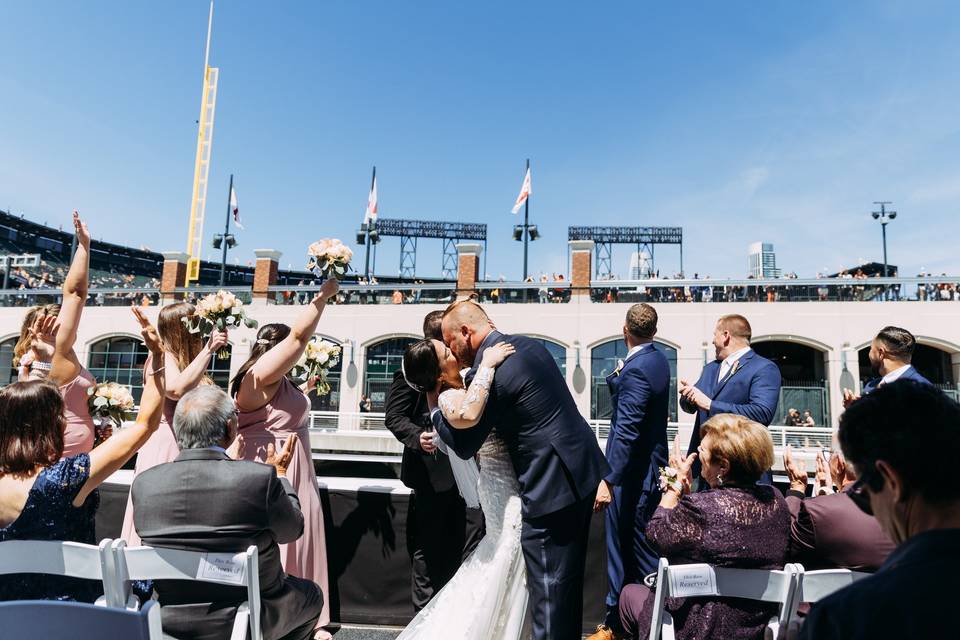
x: 265, y: 274
x: 581, y: 267
x: 468, y: 267
x: 172, y: 276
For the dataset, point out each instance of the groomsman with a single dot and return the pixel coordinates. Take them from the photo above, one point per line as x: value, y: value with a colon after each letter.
x: 890, y: 355
x: 739, y: 381
x: 441, y: 529
x: 636, y: 449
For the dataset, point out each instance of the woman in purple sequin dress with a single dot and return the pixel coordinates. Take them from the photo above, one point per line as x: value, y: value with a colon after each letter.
x: 737, y: 523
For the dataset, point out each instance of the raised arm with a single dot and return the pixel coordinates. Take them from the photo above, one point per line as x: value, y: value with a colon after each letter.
x: 65, y: 366
x: 464, y: 410
x: 277, y: 362
x: 177, y: 382
x: 115, y: 451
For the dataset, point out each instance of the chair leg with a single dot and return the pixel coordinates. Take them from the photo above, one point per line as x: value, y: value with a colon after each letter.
x: 241, y: 623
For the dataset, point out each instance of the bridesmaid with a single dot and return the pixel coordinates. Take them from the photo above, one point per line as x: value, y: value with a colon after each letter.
x: 185, y: 364
x: 272, y: 408
x: 45, y: 349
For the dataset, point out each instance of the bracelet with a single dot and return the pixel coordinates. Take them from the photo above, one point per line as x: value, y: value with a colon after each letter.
x: 670, y: 479
x: 41, y: 366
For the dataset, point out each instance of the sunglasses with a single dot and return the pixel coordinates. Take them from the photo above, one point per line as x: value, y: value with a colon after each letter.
x: 860, y: 495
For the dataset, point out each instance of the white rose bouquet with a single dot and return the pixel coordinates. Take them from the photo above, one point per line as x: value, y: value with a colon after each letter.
x: 219, y: 311
x: 109, y: 401
x: 316, y: 362
x: 329, y: 258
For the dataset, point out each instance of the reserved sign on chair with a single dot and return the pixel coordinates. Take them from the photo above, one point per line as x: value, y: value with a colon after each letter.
x: 222, y: 567
x: 692, y: 580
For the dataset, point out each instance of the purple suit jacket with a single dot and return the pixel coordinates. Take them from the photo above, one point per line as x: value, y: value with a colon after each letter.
x: 830, y: 532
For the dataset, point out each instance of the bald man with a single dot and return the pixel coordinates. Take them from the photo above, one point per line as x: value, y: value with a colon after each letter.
x: 554, y: 452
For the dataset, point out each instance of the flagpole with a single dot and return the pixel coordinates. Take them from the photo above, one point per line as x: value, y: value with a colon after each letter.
x: 526, y: 226
x: 368, y: 222
x: 226, y: 231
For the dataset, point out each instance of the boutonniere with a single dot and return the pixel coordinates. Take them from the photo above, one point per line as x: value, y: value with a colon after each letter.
x: 619, y: 368
x: 734, y: 368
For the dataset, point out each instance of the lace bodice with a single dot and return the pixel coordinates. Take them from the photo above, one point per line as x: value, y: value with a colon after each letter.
x: 467, y: 405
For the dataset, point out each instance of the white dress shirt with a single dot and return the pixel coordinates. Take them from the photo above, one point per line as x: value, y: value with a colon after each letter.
x: 637, y: 349
x: 729, y: 361
x: 893, y: 375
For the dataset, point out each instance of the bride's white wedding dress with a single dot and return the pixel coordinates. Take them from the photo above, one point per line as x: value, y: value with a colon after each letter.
x: 487, y: 597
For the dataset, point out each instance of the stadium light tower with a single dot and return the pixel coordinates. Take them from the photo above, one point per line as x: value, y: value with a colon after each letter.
x: 885, y: 217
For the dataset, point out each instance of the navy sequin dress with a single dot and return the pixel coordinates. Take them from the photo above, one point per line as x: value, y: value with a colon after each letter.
x: 49, y: 514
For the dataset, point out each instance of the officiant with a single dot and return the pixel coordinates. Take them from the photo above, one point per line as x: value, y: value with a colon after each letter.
x: 442, y: 529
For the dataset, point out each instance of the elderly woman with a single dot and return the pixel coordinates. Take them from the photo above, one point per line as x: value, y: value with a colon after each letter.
x: 736, y: 523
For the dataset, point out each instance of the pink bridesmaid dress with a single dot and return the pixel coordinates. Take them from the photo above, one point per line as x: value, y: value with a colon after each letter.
x: 78, y: 432
x: 288, y: 413
x: 159, y: 449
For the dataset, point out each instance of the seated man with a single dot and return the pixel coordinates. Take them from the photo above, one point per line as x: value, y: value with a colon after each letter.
x: 900, y: 439
x: 829, y: 531
x: 205, y: 501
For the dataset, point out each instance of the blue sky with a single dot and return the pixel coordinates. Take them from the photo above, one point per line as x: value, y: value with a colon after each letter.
x: 739, y: 121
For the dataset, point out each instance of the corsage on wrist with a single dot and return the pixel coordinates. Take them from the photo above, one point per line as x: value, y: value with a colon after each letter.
x: 670, y: 479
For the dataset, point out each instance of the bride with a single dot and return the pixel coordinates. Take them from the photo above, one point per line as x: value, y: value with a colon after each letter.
x: 487, y: 597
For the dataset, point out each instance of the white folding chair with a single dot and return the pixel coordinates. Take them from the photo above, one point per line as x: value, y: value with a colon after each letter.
x: 704, y: 580
x: 815, y: 585
x: 77, y: 621
x: 61, y: 558
x: 235, y: 569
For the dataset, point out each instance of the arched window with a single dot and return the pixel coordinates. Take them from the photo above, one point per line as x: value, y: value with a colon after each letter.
x: 383, y: 359
x: 219, y: 369
x: 331, y: 401
x: 558, y: 351
x: 803, y: 373
x: 603, y: 362
x: 8, y: 372
x: 119, y: 359
x: 933, y: 364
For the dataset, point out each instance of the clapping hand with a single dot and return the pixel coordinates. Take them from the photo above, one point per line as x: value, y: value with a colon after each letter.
x: 43, y: 337
x: 239, y: 447
x: 694, y: 396
x: 822, y: 483
x: 683, y: 465
x: 838, y: 470
x: 796, y: 471
x: 281, y: 461
x: 849, y: 397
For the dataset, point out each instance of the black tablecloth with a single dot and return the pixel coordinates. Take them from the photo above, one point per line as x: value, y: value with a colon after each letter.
x: 367, y: 554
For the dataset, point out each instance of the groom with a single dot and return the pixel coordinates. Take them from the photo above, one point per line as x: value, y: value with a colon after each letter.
x: 554, y: 452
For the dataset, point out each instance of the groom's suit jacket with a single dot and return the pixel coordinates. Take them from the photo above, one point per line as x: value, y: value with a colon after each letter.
x: 553, y: 450
x: 752, y: 390
x: 909, y: 374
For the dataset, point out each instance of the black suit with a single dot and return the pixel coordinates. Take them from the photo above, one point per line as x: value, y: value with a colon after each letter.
x: 204, y: 501
x: 559, y: 466
x: 441, y: 530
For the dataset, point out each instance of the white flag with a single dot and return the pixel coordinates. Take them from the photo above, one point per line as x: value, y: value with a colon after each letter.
x: 235, y: 208
x: 371, y: 203
x: 524, y: 193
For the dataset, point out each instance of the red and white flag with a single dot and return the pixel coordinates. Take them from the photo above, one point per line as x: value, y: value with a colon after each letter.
x: 235, y: 208
x: 371, y: 203
x: 524, y: 193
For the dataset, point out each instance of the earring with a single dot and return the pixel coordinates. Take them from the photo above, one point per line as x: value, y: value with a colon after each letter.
x: 719, y: 479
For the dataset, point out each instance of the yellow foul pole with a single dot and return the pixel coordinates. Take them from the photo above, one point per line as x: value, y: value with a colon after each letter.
x: 201, y: 170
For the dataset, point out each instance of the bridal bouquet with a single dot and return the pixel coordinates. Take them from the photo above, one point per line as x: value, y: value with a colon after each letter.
x: 218, y: 311
x: 316, y: 362
x: 109, y: 401
x: 329, y: 258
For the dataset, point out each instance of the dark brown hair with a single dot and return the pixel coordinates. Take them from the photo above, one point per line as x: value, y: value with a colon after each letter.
x: 898, y: 342
x: 31, y: 426
x: 421, y: 367
x: 431, y: 325
x: 177, y: 339
x: 267, y: 338
x: 23, y: 344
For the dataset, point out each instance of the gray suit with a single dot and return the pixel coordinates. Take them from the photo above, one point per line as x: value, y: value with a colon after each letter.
x: 204, y: 501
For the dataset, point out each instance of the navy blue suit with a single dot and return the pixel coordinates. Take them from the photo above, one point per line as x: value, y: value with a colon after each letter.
x: 751, y: 390
x: 909, y: 374
x: 636, y: 449
x: 559, y: 466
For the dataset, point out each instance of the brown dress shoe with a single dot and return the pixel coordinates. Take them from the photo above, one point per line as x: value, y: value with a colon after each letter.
x: 603, y: 632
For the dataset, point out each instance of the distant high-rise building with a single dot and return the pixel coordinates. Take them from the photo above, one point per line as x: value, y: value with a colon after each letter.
x: 641, y: 267
x: 763, y: 261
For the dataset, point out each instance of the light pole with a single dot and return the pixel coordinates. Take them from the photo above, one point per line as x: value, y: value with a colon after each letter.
x: 885, y: 217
